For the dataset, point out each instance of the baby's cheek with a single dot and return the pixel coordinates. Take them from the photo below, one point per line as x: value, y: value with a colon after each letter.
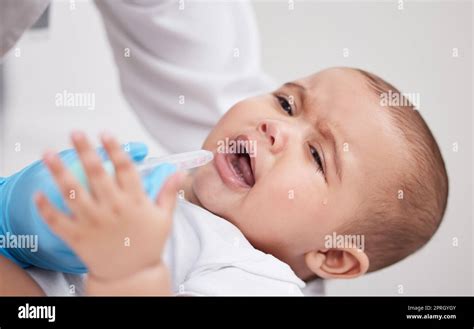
x: 300, y: 186
x: 307, y: 202
x: 288, y: 195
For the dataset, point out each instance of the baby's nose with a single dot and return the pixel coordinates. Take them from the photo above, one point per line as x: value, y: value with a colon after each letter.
x: 275, y: 134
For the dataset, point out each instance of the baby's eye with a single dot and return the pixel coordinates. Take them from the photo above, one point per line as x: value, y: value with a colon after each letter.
x: 317, y: 158
x: 285, y: 105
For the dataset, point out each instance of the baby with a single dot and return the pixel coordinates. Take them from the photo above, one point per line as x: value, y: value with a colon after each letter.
x: 330, y: 159
x: 321, y: 157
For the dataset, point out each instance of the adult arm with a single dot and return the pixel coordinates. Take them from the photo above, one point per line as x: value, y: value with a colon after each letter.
x: 16, y: 16
x: 182, y: 64
x: 14, y: 281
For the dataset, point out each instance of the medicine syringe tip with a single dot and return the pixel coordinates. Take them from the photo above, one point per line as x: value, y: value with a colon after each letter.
x: 182, y: 161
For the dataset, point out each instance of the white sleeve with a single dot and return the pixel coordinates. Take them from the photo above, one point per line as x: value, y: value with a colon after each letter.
x: 182, y: 64
x: 16, y: 16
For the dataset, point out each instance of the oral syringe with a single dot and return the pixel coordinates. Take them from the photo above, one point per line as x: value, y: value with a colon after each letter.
x: 182, y: 161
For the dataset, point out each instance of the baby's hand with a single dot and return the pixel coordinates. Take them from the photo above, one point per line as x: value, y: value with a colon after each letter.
x: 116, y: 229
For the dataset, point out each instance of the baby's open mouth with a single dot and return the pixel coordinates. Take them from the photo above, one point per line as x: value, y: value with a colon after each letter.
x: 236, y: 167
x: 241, y: 163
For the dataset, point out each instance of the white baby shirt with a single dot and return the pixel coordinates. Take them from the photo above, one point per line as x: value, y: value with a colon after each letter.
x: 206, y: 255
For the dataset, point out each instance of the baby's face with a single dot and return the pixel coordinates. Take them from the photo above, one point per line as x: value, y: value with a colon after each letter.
x: 317, y: 146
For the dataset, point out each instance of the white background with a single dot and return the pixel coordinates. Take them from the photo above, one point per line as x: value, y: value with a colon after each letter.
x: 411, y: 48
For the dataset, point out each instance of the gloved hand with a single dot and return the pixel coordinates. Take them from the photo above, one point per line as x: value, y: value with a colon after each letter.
x: 20, y: 220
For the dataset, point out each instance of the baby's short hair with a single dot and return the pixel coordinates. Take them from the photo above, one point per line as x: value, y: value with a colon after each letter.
x: 404, y: 213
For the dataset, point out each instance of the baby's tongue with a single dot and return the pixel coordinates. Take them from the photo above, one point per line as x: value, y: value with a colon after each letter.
x: 244, y: 162
x: 242, y: 166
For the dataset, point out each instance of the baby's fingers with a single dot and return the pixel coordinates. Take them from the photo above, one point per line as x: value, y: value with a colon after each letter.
x: 126, y: 174
x: 101, y: 184
x: 77, y: 199
x: 167, y: 197
x: 59, y: 223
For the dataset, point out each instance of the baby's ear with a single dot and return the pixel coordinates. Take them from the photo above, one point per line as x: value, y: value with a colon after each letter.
x: 337, y: 263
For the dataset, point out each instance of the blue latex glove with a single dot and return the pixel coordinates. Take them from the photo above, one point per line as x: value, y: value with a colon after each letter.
x: 20, y: 217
